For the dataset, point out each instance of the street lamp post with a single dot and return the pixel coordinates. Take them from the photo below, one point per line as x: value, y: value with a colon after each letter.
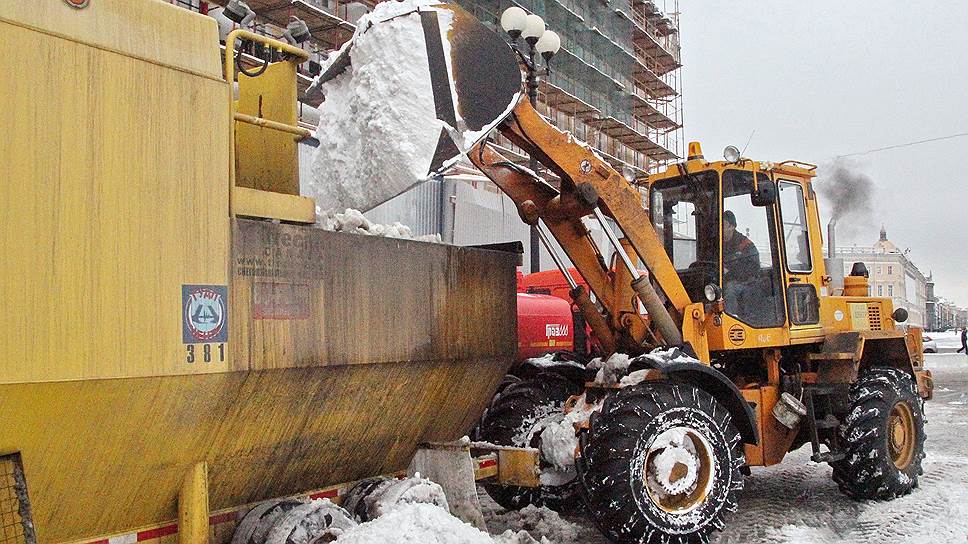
x: 519, y: 24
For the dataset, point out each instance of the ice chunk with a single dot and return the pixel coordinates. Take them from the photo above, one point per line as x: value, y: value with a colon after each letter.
x: 612, y: 369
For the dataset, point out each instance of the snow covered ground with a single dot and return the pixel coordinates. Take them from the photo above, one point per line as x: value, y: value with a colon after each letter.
x: 798, y: 502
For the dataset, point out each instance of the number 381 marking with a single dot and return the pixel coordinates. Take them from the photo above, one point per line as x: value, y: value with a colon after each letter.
x: 206, y: 352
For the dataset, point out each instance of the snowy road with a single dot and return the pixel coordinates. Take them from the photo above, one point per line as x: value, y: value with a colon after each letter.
x: 798, y: 502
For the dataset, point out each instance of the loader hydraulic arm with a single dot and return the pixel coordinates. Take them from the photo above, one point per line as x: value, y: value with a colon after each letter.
x: 589, y: 183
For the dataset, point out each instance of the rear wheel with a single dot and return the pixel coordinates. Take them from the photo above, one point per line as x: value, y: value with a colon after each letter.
x: 882, y: 436
x: 661, y: 463
x: 516, y: 417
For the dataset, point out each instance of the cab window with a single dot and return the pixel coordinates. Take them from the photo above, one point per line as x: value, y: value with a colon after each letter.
x: 685, y: 211
x: 751, y: 281
x: 793, y: 216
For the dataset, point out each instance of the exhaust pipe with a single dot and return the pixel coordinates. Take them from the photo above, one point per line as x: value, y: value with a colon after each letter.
x: 831, y: 239
x: 833, y: 263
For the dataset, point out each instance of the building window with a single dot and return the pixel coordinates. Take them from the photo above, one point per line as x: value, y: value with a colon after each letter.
x: 890, y: 270
x: 880, y: 290
x: 878, y: 271
x: 890, y: 290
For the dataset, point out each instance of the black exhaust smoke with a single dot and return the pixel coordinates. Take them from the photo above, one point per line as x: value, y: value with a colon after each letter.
x: 849, y: 194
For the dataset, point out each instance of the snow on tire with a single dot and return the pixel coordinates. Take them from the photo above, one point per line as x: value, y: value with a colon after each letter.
x: 882, y: 436
x: 661, y: 463
x: 257, y: 522
x: 516, y: 417
x: 313, y: 522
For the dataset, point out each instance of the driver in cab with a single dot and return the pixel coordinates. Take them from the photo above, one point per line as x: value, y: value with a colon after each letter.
x: 741, y: 260
x: 741, y: 263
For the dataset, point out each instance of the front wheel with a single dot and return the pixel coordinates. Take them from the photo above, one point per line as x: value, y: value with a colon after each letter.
x: 518, y: 416
x: 882, y: 436
x: 661, y: 463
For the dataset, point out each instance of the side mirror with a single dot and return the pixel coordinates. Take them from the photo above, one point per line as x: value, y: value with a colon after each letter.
x: 764, y: 192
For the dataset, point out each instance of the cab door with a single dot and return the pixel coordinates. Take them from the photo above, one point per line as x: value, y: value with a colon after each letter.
x: 803, y: 302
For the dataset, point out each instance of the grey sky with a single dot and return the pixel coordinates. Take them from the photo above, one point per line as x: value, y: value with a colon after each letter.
x: 821, y: 79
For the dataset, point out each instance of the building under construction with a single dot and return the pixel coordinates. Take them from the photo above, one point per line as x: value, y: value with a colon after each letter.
x: 615, y: 84
x: 615, y: 81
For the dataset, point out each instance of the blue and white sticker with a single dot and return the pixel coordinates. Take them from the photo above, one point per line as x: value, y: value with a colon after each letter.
x: 204, y: 314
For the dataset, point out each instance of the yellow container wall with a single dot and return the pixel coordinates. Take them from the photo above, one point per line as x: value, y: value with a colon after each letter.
x: 106, y: 209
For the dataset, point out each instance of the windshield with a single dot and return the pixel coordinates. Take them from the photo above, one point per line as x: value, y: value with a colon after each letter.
x: 685, y: 212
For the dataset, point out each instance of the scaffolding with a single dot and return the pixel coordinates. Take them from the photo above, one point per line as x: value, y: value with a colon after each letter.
x: 615, y: 83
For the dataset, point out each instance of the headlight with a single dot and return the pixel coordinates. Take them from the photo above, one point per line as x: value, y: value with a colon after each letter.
x: 711, y: 292
x: 731, y: 153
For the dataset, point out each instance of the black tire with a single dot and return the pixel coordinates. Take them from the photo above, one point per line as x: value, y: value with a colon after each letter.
x: 507, y: 381
x: 878, y: 465
x: 621, y: 449
x: 510, y: 421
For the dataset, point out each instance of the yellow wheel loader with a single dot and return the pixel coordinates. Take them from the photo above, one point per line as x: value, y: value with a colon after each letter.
x: 747, y: 349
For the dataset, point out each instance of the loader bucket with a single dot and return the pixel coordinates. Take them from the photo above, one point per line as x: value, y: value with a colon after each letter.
x: 416, y: 87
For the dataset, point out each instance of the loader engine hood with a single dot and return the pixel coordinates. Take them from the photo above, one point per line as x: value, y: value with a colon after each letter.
x: 414, y: 89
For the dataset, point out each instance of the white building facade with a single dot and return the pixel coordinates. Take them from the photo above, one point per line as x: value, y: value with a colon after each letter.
x: 892, y: 275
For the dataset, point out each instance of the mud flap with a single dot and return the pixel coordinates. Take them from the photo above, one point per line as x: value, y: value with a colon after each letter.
x: 450, y: 465
x: 716, y: 384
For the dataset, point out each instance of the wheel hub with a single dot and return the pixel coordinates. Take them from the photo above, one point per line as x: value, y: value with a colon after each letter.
x: 901, y: 435
x: 679, y: 469
x: 674, y: 469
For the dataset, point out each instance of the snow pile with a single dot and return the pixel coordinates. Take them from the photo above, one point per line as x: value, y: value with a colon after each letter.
x: 634, y: 378
x: 378, y: 126
x: 559, y: 442
x: 354, y: 222
x: 417, y: 523
x: 533, y: 522
x: 611, y: 370
x: 552, y: 359
x: 520, y: 537
x: 669, y: 355
x: 615, y: 369
x: 546, y: 360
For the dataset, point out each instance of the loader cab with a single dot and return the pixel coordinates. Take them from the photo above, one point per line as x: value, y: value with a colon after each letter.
x: 749, y: 232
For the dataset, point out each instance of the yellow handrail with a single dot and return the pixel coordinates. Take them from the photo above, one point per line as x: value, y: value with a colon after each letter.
x: 800, y: 164
x: 303, y: 56
x: 299, y: 132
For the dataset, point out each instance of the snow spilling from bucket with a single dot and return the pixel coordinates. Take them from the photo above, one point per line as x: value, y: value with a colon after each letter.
x: 378, y: 127
x: 353, y: 221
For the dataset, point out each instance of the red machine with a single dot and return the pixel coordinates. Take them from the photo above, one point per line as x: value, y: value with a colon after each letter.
x: 546, y: 319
